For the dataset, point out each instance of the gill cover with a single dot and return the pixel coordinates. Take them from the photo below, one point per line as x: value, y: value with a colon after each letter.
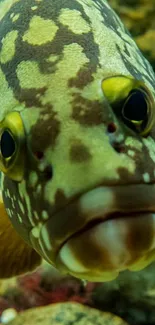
x: 131, y: 101
x: 12, y: 146
x: 16, y: 256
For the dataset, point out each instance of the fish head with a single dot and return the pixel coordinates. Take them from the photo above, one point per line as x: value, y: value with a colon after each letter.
x: 77, y: 137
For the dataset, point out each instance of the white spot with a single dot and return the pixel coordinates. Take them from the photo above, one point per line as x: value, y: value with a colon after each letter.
x: 130, y: 141
x: 44, y: 252
x: 131, y: 153
x: 42, y: 166
x: 146, y: 177
x: 150, y: 144
x: 45, y: 117
x: 36, y: 215
x: 33, y: 178
x: 120, y: 138
x: 34, y: 7
x: 19, y: 218
x: 38, y: 189
x: 21, y: 206
x: 97, y: 201
x: 12, y: 201
x: 8, y: 212
x: 36, y: 230
x: 45, y: 215
x: 8, y: 193
x: 13, y: 213
x: 46, y: 240
x: 23, y: 192
x: 15, y: 17
x: 8, y: 315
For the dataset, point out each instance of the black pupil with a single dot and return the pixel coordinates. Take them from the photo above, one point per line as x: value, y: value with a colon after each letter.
x: 7, y: 145
x: 135, y: 108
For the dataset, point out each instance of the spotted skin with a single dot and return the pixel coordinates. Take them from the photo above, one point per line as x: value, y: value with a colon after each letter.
x: 53, y: 78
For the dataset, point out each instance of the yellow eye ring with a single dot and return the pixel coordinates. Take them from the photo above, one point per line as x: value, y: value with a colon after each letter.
x: 131, y: 101
x: 12, y: 143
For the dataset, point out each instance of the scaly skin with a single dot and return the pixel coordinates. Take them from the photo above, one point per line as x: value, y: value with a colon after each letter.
x: 54, y: 58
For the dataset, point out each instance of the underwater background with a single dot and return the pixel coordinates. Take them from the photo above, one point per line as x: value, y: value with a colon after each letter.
x: 47, y: 297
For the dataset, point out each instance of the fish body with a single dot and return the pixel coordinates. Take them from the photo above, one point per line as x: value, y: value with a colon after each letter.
x: 77, y: 137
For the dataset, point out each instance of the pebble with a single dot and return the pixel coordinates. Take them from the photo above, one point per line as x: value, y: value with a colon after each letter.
x: 8, y: 315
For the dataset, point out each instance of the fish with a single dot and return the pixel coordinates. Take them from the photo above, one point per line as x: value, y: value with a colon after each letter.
x: 77, y: 141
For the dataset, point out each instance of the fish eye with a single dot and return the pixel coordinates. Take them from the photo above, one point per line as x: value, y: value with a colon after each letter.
x: 7, y: 144
x: 131, y: 102
x: 136, y: 110
x: 12, y: 146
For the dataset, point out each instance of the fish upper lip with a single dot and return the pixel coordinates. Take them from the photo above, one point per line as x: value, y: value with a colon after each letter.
x: 91, y: 224
x: 75, y: 217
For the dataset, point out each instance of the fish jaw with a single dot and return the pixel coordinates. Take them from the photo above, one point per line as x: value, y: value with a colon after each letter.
x: 112, y: 229
x: 100, y: 253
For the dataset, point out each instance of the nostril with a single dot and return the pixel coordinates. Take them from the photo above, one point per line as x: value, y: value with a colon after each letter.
x: 119, y: 148
x: 111, y: 127
x: 39, y: 155
x: 48, y: 172
x: 115, y: 138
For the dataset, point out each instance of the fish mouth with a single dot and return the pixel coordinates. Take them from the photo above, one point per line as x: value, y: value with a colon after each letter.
x: 103, y: 232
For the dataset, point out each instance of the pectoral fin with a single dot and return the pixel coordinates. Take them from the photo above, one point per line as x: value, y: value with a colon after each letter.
x: 16, y: 256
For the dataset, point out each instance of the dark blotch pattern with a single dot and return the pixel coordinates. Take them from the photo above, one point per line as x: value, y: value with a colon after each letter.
x: 48, y: 172
x: 87, y: 112
x: 136, y: 240
x: 111, y: 127
x: 31, y: 96
x: 79, y: 152
x: 44, y: 133
x: 134, y: 71
x: 60, y: 198
x: 111, y: 20
x: 84, y: 76
x: 40, y: 54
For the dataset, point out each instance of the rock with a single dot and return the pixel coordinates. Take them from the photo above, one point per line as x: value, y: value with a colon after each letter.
x: 66, y: 314
x: 7, y: 284
x: 8, y: 315
x: 130, y: 296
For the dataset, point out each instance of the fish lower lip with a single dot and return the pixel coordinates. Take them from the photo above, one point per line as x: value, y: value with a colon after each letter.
x: 100, y: 251
x: 131, y: 215
x: 119, y: 233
